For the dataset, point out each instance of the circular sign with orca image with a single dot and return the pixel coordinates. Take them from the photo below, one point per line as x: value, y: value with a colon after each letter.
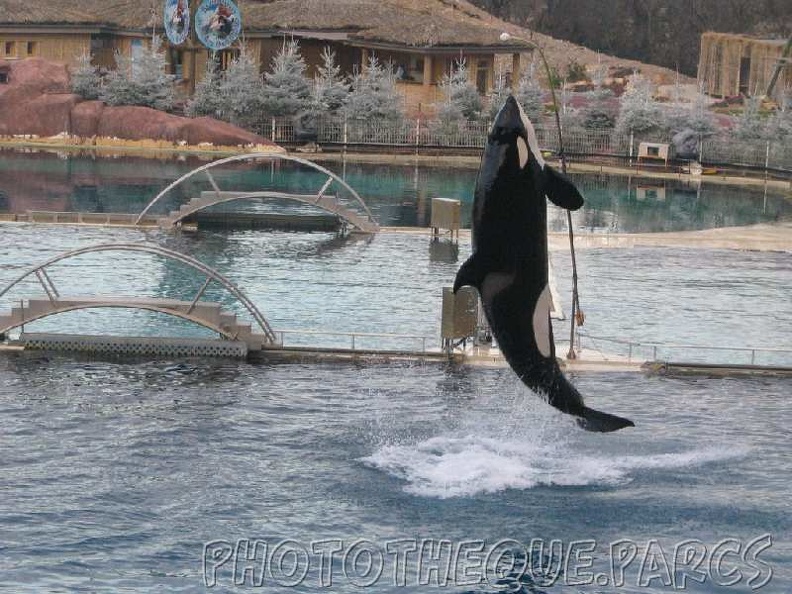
x: 177, y: 20
x: 218, y: 23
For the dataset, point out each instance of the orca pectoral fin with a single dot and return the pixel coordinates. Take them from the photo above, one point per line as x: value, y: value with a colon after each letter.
x: 469, y: 274
x: 560, y: 189
x: 595, y: 420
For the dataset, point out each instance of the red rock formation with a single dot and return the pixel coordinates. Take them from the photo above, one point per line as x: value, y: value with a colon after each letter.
x: 37, y: 100
x: 85, y: 118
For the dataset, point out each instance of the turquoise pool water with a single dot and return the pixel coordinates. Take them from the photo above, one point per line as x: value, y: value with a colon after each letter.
x: 398, y: 195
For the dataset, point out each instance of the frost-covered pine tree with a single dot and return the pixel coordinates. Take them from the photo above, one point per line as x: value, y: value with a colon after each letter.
x: 639, y: 112
x: 530, y: 95
x: 142, y: 81
x: 750, y: 125
x: 779, y: 125
x: 286, y: 89
x: 462, y: 101
x: 86, y: 80
x: 374, y: 95
x: 497, y: 97
x: 207, y: 99
x: 242, y: 91
x: 695, y: 116
x: 331, y: 90
x: 600, y: 111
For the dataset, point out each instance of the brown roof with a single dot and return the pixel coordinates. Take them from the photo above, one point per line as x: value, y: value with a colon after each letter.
x: 416, y: 23
x: 407, y: 23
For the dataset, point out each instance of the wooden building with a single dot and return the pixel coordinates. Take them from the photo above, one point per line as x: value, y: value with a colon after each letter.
x: 421, y: 38
x: 732, y: 65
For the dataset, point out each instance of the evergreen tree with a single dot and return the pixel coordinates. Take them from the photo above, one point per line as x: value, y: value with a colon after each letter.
x: 374, y: 95
x: 286, y: 90
x: 207, y: 99
x: 242, y: 91
x: 600, y: 111
x: 497, y: 97
x: 750, y: 125
x: 86, y: 80
x: 330, y: 89
x: 462, y: 101
x: 695, y: 117
x: 779, y: 126
x: 140, y: 82
x: 530, y: 95
x: 639, y: 112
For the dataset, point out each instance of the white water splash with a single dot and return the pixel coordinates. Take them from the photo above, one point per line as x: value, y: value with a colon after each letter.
x: 512, y: 440
x: 447, y: 466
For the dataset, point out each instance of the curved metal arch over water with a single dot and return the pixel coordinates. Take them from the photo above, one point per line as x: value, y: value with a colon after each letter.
x: 366, y: 223
x: 99, y: 305
x: 210, y: 273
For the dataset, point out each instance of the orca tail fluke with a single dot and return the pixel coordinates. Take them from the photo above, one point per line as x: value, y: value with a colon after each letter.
x: 595, y: 420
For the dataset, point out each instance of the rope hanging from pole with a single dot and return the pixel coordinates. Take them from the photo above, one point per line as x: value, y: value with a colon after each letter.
x: 577, y: 317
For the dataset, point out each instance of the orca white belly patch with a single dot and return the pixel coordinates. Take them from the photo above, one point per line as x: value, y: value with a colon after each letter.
x: 541, y: 322
x: 522, y: 151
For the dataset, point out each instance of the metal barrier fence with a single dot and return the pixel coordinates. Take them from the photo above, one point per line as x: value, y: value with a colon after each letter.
x: 720, y: 150
x: 632, y: 350
x: 354, y: 341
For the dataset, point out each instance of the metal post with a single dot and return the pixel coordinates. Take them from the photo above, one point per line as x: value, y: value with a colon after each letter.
x: 273, y: 130
x: 46, y: 288
x: 199, y: 294
x: 767, y: 159
x: 353, y: 342
x: 630, y: 152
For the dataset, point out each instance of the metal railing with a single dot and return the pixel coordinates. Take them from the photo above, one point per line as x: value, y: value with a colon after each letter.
x: 718, y: 150
x: 351, y: 340
x: 632, y: 349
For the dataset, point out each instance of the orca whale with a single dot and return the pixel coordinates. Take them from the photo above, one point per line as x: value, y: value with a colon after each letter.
x: 509, y: 263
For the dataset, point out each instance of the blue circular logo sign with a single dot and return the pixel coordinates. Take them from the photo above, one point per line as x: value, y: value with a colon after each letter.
x: 218, y: 23
x: 177, y: 20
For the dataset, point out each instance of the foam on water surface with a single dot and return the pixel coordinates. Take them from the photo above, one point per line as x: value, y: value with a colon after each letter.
x: 521, y: 443
x: 449, y: 466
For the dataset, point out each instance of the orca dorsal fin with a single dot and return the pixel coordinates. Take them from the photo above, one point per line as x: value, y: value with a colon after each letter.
x: 470, y: 274
x: 560, y: 190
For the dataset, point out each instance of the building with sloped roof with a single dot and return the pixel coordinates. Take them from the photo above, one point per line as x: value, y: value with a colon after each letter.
x: 731, y: 65
x: 421, y: 38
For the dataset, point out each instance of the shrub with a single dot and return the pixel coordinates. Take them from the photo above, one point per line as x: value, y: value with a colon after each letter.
x: 140, y: 82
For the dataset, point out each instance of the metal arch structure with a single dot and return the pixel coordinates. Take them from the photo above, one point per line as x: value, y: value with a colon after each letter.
x: 210, y: 273
x: 326, y: 203
x: 367, y: 224
x: 99, y: 305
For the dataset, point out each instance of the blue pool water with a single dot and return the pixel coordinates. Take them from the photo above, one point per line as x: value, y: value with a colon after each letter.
x: 221, y: 476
